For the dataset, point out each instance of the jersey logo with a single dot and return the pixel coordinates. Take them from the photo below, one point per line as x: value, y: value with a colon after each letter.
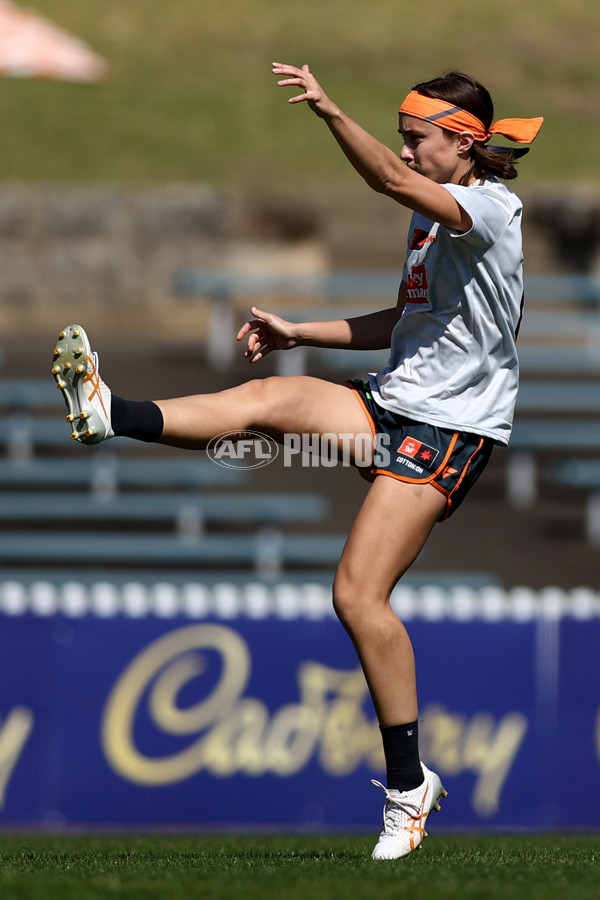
x: 425, y: 454
x: 420, y: 238
x: 417, y: 287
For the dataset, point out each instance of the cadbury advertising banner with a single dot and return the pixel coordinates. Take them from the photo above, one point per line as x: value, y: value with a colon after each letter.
x: 133, y: 716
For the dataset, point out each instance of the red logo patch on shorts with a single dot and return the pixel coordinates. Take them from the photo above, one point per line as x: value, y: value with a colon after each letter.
x: 423, y: 453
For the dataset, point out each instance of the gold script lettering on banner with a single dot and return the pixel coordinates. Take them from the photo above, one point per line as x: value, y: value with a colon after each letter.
x: 14, y: 732
x: 234, y: 734
x: 455, y: 744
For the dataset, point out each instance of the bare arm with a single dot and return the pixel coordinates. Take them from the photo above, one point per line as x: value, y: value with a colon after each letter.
x: 380, y: 167
x: 268, y: 332
x: 368, y: 332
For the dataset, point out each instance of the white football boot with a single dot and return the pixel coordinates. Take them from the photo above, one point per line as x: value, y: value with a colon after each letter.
x: 75, y: 370
x: 405, y: 814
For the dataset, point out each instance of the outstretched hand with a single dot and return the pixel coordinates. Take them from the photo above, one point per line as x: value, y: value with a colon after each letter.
x: 266, y: 332
x: 313, y: 93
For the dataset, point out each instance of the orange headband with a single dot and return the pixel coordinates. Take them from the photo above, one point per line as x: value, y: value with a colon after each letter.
x: 430, y: 109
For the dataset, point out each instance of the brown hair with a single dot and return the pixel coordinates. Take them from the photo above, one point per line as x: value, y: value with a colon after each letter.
x: 463, y: 91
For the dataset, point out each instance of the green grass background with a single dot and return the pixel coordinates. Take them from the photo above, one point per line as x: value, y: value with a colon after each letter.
x: 191, y: 96
x: 297, y: 868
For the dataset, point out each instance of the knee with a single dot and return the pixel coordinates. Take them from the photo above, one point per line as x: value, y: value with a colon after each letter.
x: 258, y: 397
x: 340, y: 605
x: 252, y: 390
x: 351, y: 603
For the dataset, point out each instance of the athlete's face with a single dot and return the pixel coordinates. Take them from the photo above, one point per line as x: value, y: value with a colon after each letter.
x: 431, y: 152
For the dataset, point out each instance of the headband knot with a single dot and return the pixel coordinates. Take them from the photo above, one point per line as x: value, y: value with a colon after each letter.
x: 453, y: 118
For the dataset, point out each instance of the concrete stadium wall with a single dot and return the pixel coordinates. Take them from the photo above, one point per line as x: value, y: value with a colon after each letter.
x: 110, y: 252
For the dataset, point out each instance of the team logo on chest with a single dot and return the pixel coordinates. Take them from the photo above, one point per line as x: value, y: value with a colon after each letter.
x: 417, y: 285
x: 421, y: 453
x: 421, y: 238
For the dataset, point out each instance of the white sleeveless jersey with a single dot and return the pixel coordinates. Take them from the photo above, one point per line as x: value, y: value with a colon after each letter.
x: 453, y: 359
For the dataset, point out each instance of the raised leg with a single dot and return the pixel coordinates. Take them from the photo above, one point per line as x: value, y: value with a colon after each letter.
x: 277, y: 405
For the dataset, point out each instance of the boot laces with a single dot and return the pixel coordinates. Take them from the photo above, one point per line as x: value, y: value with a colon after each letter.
x: 396, y: 808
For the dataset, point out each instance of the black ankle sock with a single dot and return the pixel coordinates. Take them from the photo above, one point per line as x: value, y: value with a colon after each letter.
x: 138, y: 419
x: 401, y: 749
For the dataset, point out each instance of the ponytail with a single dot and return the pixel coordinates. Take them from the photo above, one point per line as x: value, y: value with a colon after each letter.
x: 491, y: 162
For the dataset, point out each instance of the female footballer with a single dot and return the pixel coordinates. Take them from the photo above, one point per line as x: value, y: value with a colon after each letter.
x: 445, y: 399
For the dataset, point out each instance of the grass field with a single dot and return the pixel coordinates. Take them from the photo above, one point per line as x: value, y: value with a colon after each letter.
x: 296, y: 868
x: 191, y: 97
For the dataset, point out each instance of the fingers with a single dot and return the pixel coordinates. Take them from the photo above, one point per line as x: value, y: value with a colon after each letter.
x: 258, y: 344
x: 257, y: 348
x: 253, y: 324
x: 301, y: 78
x: 258, y: 355
x: 254, y: 342
x: 266, y: 332
x: 285, y: 69
x: 246, y: 327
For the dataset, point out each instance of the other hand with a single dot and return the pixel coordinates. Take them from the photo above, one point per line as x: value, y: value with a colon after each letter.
x: 313, y: 93
x: 266, y: 332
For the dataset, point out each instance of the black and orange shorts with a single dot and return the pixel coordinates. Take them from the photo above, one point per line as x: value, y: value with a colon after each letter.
x: 420, y: 453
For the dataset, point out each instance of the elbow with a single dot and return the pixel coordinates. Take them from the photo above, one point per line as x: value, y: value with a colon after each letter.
x: 390, y: 181
x: 393, y: 182
x: 388, y: 176
x: 382, y: 183
x: 389, y: 187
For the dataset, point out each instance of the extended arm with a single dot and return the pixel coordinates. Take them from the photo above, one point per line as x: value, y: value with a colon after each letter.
x: 380, y: 167
x: 268, y: 332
